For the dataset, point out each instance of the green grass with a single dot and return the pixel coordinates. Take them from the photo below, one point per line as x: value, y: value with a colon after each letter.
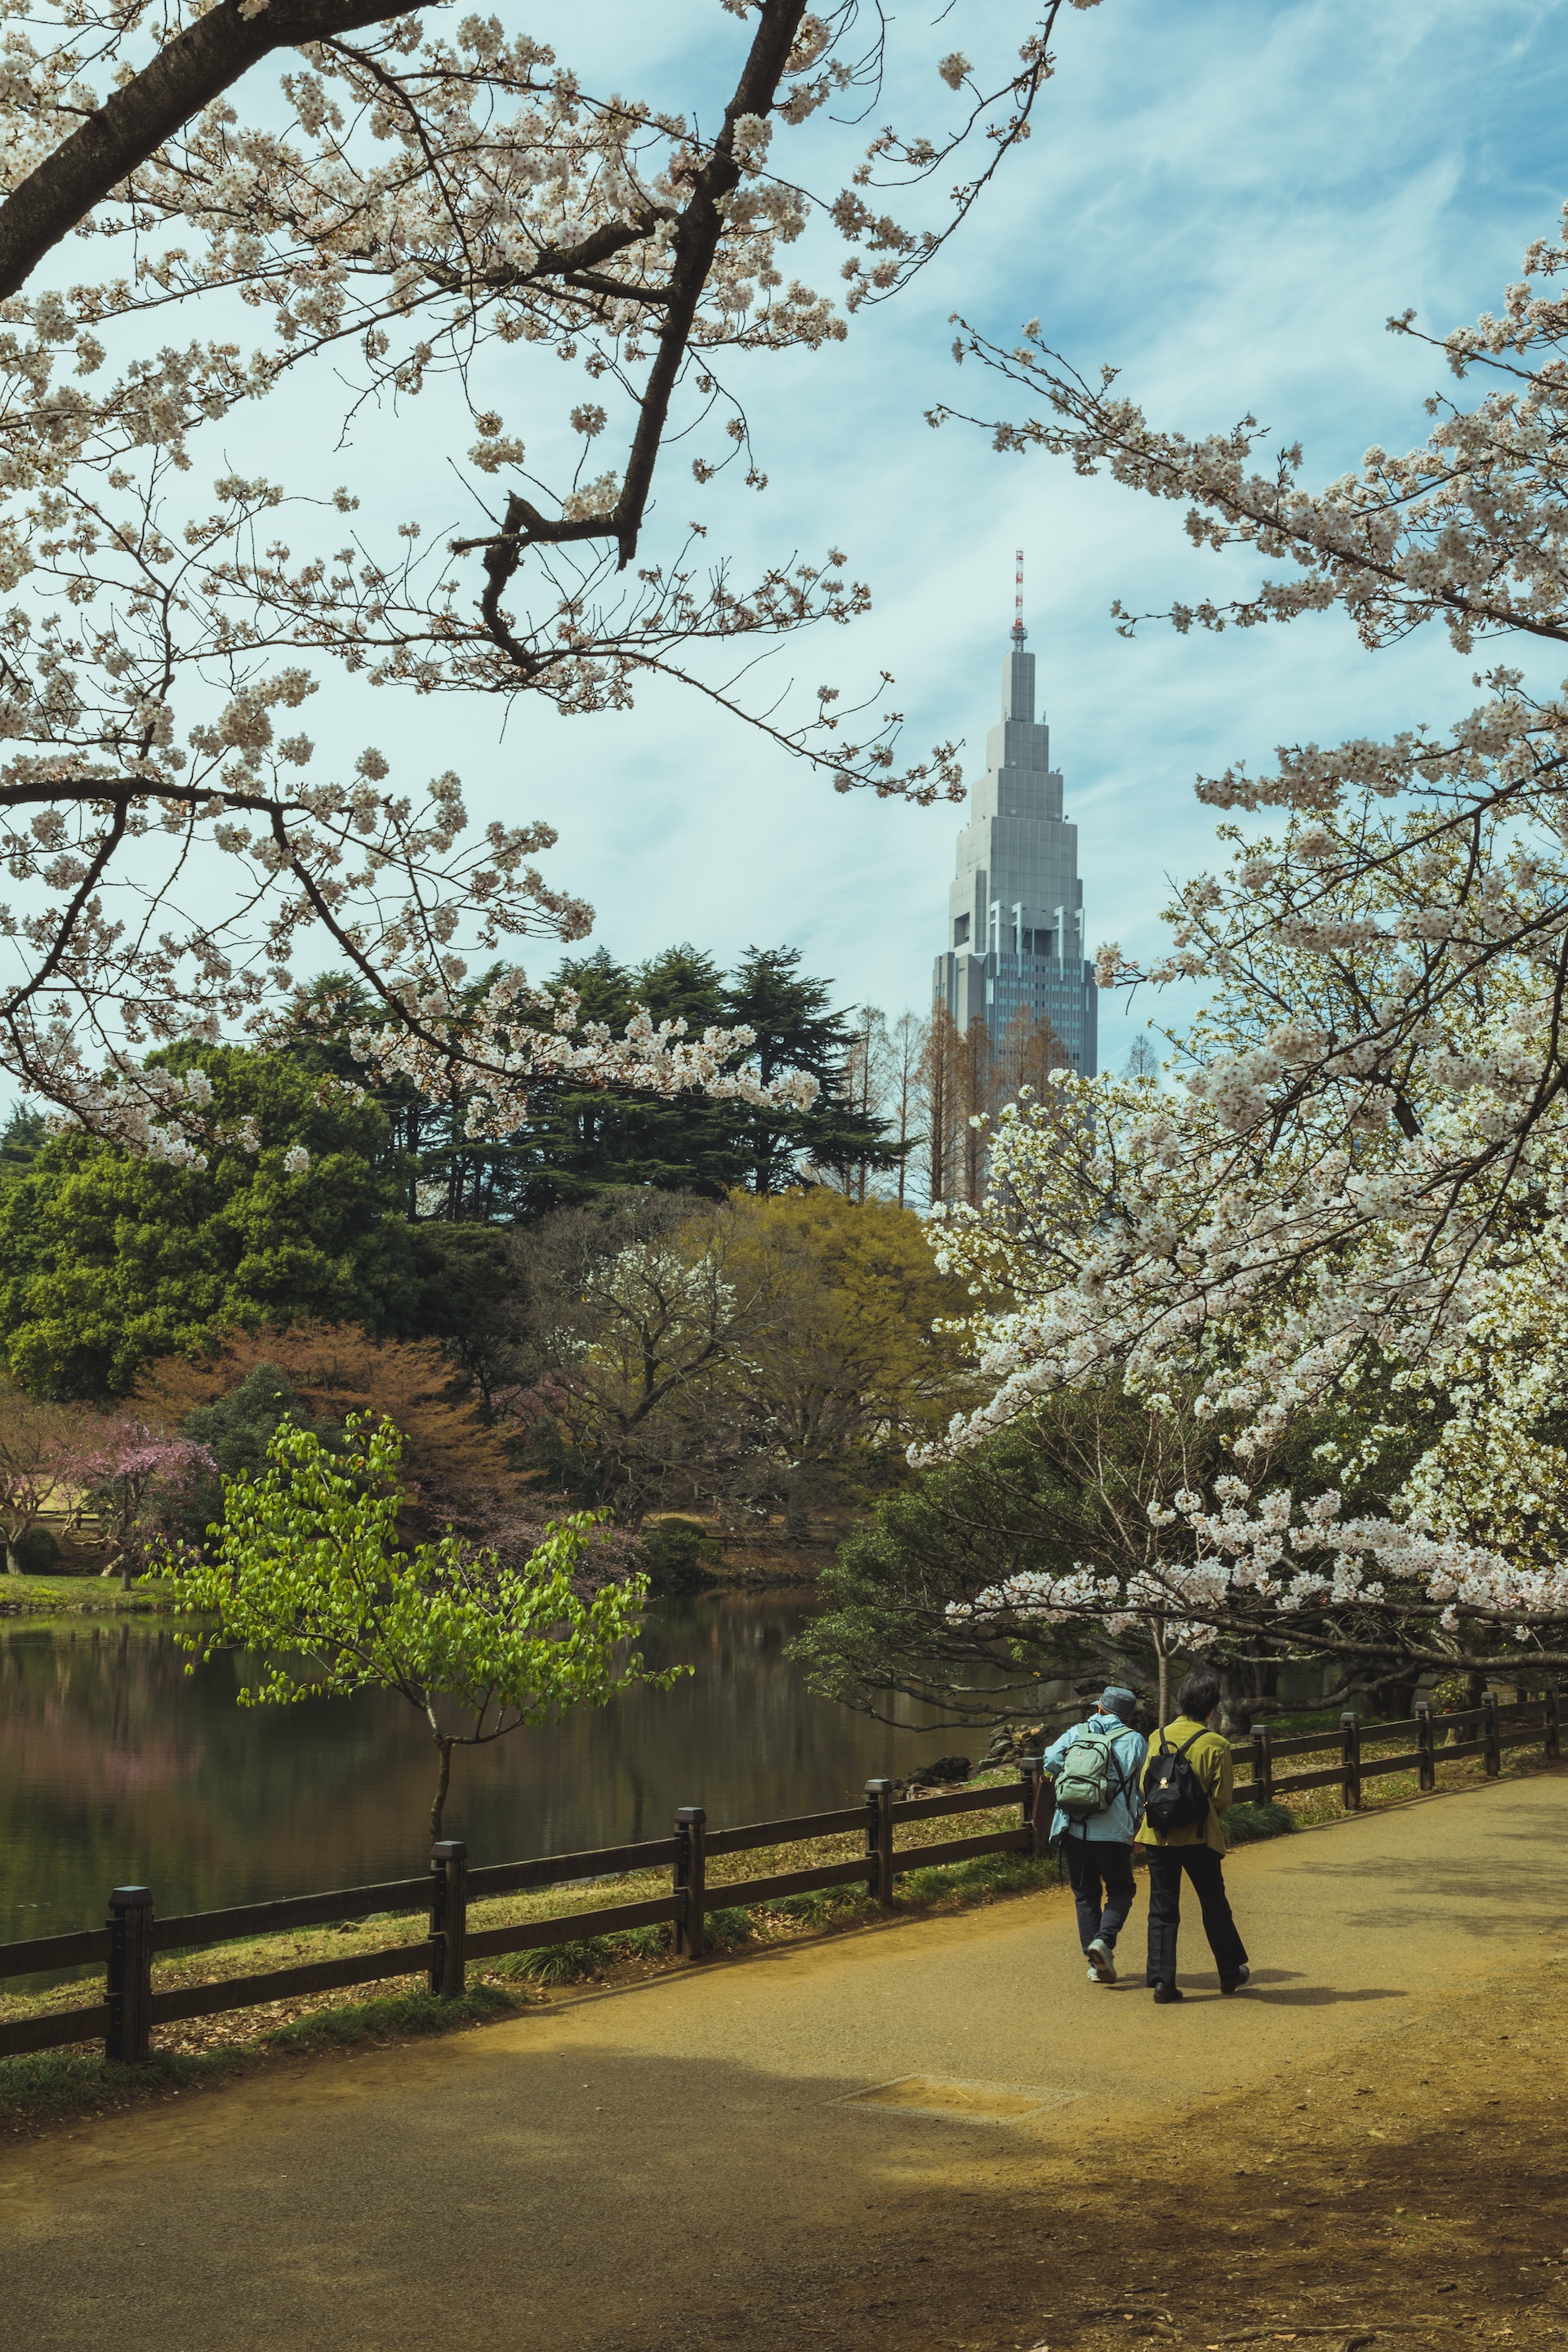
x: 826, y: 1907
x: 724, y: 1930
x: 90, y: 1596
x: 52, y: 2085
x: 980, y: 1881
x: 395, y: 2016
x: 587, y: 1956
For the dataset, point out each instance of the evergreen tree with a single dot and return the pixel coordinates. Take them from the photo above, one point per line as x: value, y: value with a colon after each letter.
x: 795, y: 1030
x: 22, y: 1137
x: 579, y: 1143
x: 584, y: 1143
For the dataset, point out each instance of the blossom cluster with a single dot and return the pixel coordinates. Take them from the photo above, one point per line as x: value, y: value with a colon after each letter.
x: 492, y: 1055
x: 1352, y: 1177
x: 432, y: 203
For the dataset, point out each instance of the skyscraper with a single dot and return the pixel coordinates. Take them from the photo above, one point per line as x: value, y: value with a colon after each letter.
x: 1014, y: 919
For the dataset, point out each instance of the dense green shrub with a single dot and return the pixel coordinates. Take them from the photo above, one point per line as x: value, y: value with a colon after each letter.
x: 1246, y: 1823
x: 108, y: 1260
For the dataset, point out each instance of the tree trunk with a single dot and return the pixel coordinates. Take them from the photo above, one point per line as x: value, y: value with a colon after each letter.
x: 1243, y: 1690
x: 443, y: 1782
x: 13, y: 1564
x: 1164, y: 1657
x: 1393, y: 1699
x: 1236, y: 1702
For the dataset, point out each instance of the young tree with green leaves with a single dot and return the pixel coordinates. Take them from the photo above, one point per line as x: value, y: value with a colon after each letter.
x: 307, y: 1566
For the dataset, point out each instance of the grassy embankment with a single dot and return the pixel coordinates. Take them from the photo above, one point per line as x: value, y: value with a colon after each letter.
x: 77, y: 1596
x: 55, y: 2083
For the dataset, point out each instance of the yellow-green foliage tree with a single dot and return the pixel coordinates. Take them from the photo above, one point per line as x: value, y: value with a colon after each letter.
x: 746, y: 1356
x: 850, y: 1366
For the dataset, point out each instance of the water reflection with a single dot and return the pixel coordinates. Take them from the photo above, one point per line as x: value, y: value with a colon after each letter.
x: 116, y: 1768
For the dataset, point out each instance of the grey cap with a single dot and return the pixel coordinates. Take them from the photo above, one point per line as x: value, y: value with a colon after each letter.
x: 1115, y: 1698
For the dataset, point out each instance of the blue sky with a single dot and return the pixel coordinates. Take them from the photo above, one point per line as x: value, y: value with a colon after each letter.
x: 1224, y: 198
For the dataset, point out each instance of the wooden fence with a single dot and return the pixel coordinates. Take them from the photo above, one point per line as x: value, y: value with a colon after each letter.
x: 1484, y: 1730
x: 125, y: 2017
x: 129, y: 2009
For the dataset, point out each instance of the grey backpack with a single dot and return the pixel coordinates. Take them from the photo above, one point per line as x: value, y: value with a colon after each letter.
x: 1089, y: 1776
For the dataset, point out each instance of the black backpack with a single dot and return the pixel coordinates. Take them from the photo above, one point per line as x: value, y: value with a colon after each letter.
x: 1174, y: 1796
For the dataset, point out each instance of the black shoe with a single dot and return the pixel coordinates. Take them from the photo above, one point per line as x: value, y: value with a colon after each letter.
x: 1236, y: 1981
x: 1164, y: 1992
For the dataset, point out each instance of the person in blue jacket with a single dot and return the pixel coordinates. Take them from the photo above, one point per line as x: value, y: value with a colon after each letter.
x: 1097, y: 1768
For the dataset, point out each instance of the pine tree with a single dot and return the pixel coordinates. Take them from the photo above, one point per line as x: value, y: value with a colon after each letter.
x: 578, y: 1143
x: 22, y: 1137
x: 795, y: 1030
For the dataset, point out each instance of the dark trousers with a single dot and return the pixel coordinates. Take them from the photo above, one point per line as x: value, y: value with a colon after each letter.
x: 1206, y: 1870
x: 1093, y: 1864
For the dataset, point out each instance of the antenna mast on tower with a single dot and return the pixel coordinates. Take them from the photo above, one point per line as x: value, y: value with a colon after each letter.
x: 1019, y: 631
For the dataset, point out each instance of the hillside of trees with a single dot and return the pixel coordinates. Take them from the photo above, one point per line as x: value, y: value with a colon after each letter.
x: 710, y: 1319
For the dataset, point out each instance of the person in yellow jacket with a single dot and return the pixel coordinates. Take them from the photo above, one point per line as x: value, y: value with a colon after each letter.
x: 1196, y: 1850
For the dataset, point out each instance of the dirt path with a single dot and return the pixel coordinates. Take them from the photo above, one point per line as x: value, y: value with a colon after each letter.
x: 691, y: 2164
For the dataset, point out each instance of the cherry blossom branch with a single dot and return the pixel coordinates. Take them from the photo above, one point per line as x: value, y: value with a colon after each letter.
x: 188, y: 73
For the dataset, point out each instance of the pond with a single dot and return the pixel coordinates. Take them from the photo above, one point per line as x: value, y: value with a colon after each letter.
x: 117, y: 1768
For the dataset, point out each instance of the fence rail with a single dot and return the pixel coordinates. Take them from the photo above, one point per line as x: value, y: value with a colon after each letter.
x: 130, y: 2009
x: 1485, y: 1730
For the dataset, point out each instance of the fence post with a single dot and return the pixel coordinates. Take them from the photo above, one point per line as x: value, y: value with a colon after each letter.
x: 128, y: 1991
x: 1034, y: 1771
x: 448, y: 1917
x: 691, y: 1879
x: 1427, y: 1745
x: 1550, y: 1733
x: 1262, y: 1790
x: 879, y: 1842
x: 1350, y: 1732
x: 1490, y: 1733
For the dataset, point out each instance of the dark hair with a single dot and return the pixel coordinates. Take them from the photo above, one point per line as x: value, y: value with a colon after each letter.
x: 1199, y: 1694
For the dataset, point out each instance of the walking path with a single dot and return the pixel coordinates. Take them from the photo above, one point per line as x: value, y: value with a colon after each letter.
x: 627, y: 2169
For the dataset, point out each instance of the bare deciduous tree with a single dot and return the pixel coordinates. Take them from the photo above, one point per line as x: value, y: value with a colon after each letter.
x: 36, y: 1460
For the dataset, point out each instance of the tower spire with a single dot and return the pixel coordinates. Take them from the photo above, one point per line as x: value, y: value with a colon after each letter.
x: 1017, y: 662
x: 1013, y: 952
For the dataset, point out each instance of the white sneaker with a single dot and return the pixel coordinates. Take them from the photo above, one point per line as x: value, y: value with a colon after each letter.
x: 1101, y: 1967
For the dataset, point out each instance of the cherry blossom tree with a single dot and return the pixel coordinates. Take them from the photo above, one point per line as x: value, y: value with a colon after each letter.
x: 1422, y: 879
x: 131, y: 1475
x: 1355, y: 1177
x: 431, y: 212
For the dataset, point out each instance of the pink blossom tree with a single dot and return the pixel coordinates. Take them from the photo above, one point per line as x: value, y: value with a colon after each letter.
x: 133, y: 1479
